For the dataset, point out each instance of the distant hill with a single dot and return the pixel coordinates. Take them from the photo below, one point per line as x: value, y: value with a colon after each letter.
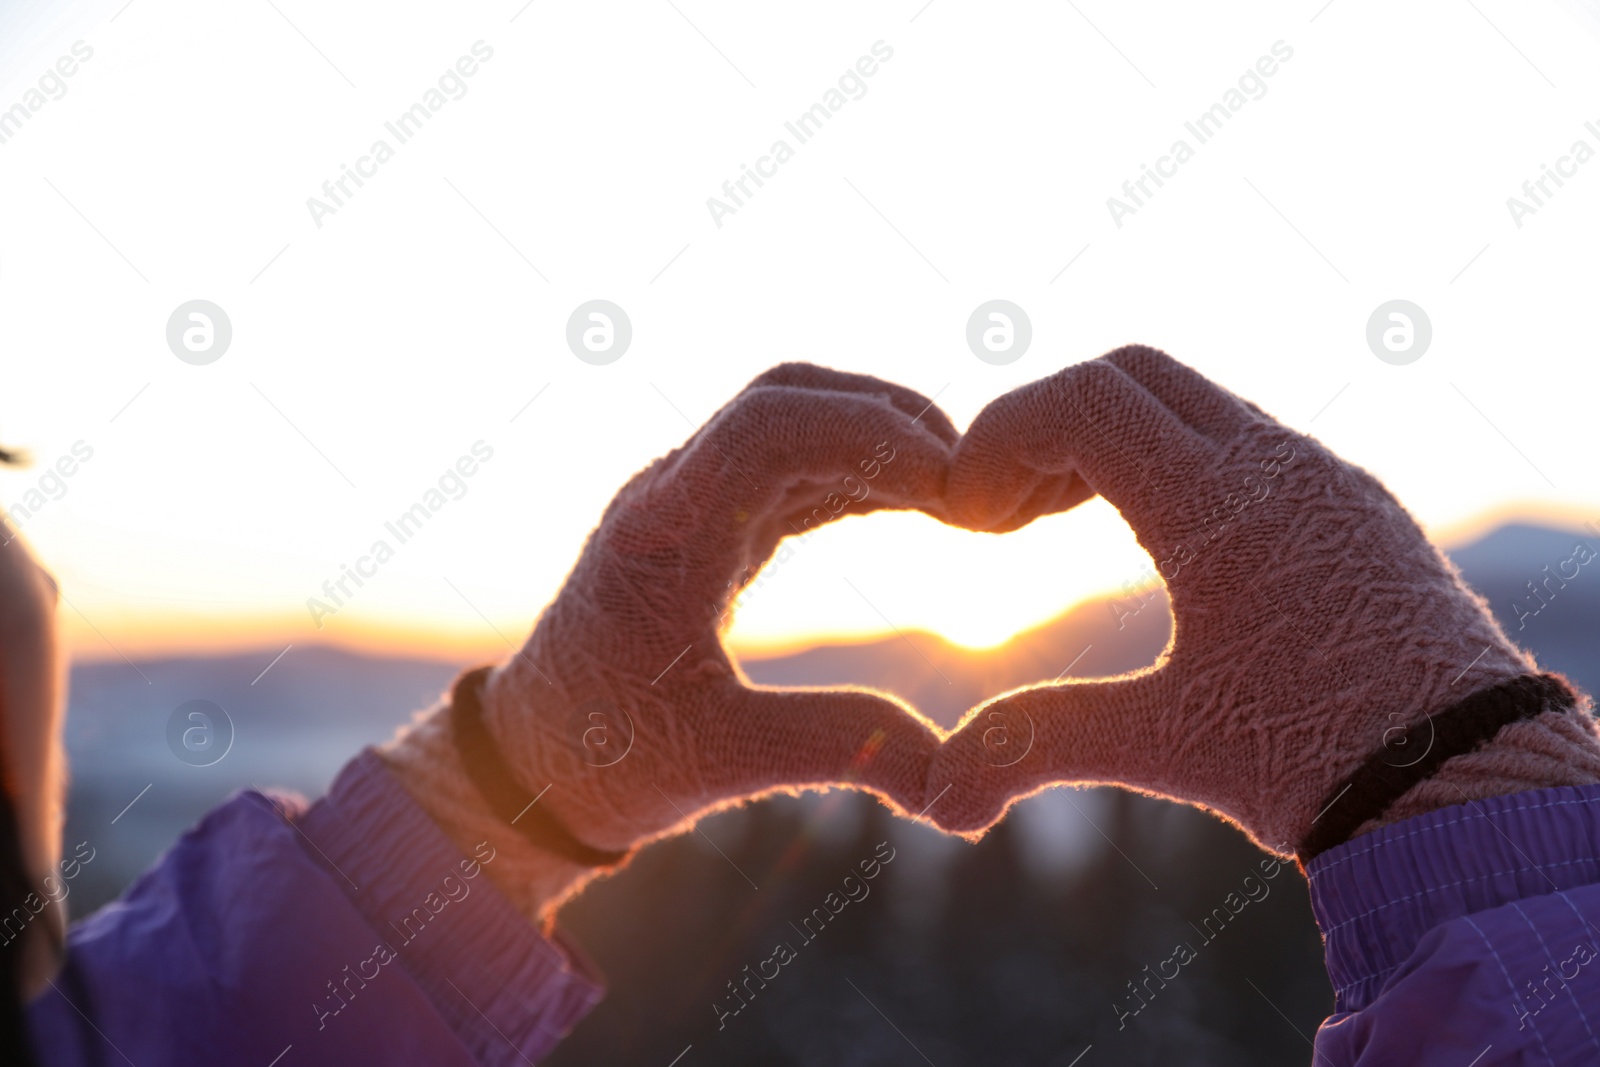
x: 943, y: 680
x: 1561, y: 622
x: 293, y: 729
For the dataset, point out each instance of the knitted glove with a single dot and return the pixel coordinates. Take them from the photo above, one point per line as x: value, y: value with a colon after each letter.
x: 1315, y: 627
x: 623, y: 702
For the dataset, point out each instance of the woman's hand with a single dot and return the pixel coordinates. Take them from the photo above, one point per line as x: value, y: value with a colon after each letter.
x: 1315, y: 626
x: 623, y: 713
x: 624, y: 701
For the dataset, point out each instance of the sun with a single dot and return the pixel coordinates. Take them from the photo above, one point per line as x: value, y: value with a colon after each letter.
x: 905, y: 573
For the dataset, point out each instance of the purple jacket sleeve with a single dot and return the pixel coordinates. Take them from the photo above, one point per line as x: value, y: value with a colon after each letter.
x: 352, y: 932
x: 1467, y: 936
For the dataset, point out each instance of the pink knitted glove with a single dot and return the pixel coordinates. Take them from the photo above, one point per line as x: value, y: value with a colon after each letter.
x: 1314, y: 621
x: 624, y: 704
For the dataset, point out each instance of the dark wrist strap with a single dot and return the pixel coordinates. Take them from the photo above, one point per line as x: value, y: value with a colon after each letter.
x: 506, y: 797
x: 1463, y: 727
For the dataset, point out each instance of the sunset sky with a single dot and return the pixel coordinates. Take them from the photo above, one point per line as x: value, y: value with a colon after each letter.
x: 374, y: 346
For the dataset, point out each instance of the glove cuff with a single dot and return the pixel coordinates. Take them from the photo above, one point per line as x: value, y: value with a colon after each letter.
x: 426, y: 761
x: 1366, y: 797
x: 506, y: 797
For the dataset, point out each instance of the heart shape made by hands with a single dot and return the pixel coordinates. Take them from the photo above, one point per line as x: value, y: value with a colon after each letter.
x: 1312, y: 618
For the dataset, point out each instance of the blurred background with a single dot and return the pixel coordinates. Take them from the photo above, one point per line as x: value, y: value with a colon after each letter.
x: 200, y: 483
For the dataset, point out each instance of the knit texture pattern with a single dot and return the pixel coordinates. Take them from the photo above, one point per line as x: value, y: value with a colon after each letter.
x: 623, y: 712
x: 1313, y: 620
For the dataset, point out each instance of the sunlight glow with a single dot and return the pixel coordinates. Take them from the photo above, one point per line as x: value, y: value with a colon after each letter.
x: 375, y: 347
x: 869, y: 576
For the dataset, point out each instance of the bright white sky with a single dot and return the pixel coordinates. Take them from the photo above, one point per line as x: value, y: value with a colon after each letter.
x: 369, y: 354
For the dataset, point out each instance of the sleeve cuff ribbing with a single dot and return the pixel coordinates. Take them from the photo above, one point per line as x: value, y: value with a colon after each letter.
x: 1376, y: 897
x: 508, y: 992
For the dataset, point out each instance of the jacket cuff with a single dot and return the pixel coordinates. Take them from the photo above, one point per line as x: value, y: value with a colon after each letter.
x: 1375, y: 897
x: 508, y: 993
